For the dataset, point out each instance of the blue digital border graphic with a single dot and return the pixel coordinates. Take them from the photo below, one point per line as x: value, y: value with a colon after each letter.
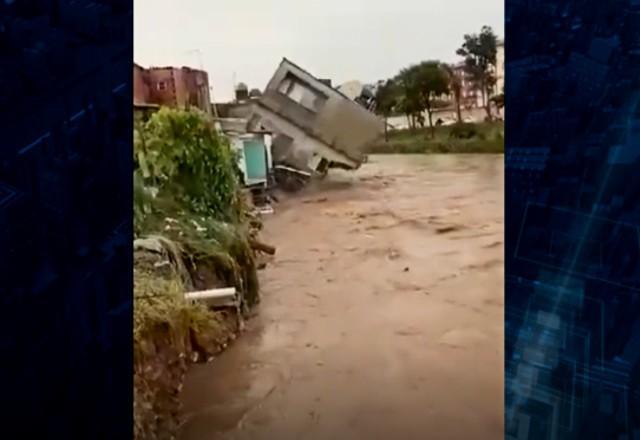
x: 572, y: 219
x: 66, y: 218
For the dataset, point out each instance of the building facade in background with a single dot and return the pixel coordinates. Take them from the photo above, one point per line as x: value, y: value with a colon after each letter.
x: 172, y: 87
x: 471, y: 95
x: 499, y: 68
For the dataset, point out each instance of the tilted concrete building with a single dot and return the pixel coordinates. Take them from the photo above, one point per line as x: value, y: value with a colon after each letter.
x: 315, y: 126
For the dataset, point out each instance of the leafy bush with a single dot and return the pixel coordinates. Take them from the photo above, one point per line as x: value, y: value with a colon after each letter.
x: 463, y: 131
x: 180, y: 156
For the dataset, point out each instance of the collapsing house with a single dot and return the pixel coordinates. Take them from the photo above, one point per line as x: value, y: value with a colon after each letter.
x: 315, y: 127
x: 300, y: 125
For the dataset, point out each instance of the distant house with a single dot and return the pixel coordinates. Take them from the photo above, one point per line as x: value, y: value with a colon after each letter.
x: 172, y: 87
x: 315, y: 126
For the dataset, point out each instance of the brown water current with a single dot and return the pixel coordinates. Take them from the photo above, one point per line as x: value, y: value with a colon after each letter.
x: 381, y: 314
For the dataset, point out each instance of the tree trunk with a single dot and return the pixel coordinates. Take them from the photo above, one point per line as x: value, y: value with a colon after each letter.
x: 488, y: 110
x: 386, y: 130
x: 458, y: 111
x: 433, y: 131
x: 486, y: 103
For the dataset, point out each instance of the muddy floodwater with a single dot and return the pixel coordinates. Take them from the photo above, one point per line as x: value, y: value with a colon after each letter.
x: 381, y: 313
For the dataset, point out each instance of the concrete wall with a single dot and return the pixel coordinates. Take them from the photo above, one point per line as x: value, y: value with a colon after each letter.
x: 199, y: 90
x: 181, y: 79
x: 156, y: 95
x: 140, y: 86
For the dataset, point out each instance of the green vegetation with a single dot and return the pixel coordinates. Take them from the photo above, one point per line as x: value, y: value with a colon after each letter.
x: 420, y: 87
x: 179, y: 155
x: 479, y: 52
x: 487, y: 137
x: 423, y: 87
x: 192, y: 234
x: 168, y: 331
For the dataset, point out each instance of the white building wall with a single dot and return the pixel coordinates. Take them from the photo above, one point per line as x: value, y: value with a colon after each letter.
x: 500, y: 69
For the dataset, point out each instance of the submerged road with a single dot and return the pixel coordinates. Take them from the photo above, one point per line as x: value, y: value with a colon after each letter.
x: 381, y: 314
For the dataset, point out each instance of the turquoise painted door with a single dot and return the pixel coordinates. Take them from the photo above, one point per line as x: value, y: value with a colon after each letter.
x: 255, y: 158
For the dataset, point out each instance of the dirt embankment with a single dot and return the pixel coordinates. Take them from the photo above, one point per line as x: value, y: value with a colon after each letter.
x: 170, y: 332
x: 381, y: 314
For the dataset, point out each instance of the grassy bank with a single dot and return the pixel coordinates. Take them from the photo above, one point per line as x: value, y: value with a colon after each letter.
x: 169, y: 333
x: 192, y: 233
x: 485, y: 137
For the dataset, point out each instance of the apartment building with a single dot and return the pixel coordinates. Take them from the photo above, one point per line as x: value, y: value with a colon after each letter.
x: 179, y: 87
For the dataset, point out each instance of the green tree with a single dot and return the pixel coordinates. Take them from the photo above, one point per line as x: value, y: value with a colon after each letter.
x: 419, y: 87
x: 455, y: 87
x: 432, y: 83
x: 386, y: 101
x: 480, y: 52
x: 409, y: 100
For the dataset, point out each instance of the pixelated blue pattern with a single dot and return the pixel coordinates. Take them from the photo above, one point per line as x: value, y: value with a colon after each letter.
x: 572, y: 318
x: 65, y: 219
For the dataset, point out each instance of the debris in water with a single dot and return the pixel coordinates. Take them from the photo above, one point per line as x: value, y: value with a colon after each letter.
x: 447, y: 229
x: 267, y: 209
x: 319, y: 200
x: 262, y: 247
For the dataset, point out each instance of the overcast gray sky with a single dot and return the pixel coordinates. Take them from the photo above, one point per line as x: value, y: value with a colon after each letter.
x: 343, y: 40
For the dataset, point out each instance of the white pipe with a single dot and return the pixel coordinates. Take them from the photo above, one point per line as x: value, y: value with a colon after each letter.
x: 226, y: 293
